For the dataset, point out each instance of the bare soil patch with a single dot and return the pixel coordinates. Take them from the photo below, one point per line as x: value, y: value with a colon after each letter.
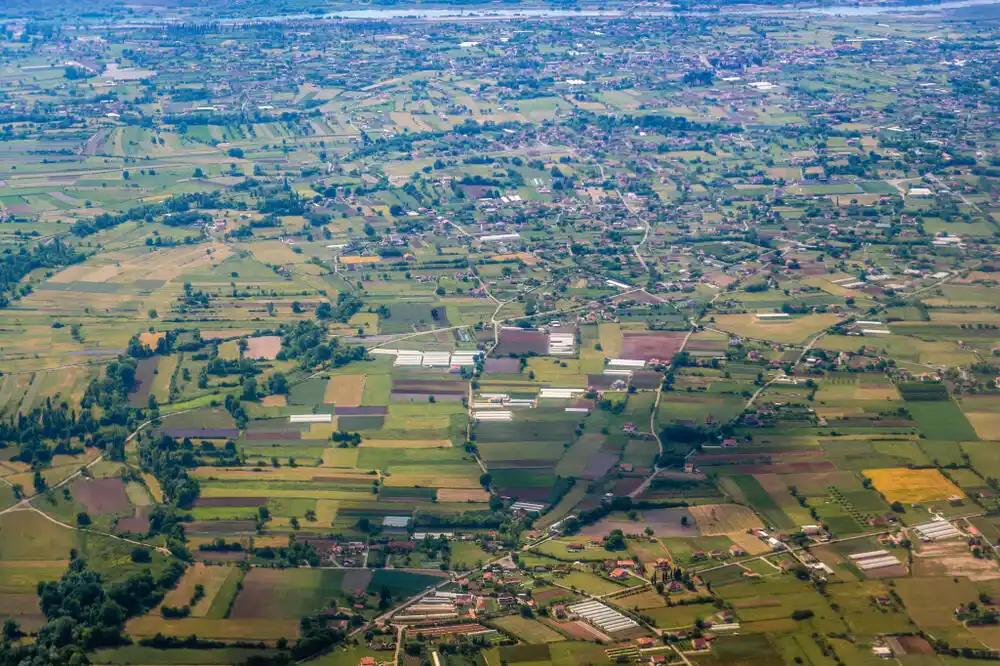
x: 143, y: 385
x: 230, y: 501
x: 720, y: 519
x: 462, y: 495
x: 345, y: 390
x: 518, y: 341
x: 264, y: 347
x: 952, y: 558
x: 914, y: 645
x: 502, y: 365
x: 138, y: 523
x: 645, y: 346
x: 665, y: 523
x: 101, y: 496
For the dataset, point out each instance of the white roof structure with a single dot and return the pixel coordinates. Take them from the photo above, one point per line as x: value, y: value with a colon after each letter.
x: 562, y: 344
x: 504, y: 415
x: 310, y: 418
x: 936, y: 529
x: 626, y: 363
x: 602, y: 616
x: 874, y: 559
x: 560, y: 393
x: 499, y: 237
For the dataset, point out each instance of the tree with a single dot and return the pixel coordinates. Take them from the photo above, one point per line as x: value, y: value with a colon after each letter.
x: 571, y: 525
x: 684, y: 521
x: 83, y: 519
x: 277, y: 384
x: 11, y: 631
x: 141, y: 555
x: 39, y: 482
x: 615, y: 540
x: 485, y: 480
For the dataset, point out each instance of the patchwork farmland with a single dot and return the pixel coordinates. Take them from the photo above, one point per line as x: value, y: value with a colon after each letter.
x: 498, y: 334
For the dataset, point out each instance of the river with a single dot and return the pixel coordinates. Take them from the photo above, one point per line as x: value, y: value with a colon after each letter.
x: 492, y: 14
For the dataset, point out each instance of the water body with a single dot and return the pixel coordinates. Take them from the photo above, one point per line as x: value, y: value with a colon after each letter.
x: 455, y: 14
x: 846, y: 10
x: 507, y: 14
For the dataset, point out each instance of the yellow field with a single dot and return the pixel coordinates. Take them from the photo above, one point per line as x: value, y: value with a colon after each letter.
x: 271, y: 474
x: 326, y: 512
x: 275, y: 252
x: 321, y: 430
x: 792, y: 330
x: 749, y: 543
x: 223, y: 630
x: 887, y: 392
x: 462, y: 495
x: 432, y: 479
x: 151, y: 339
x: 350, y: 261
x: 345, y: 390
x: 336, y: 457
x: 367, y: 321
x: 230, y: 350
x: 211, y: 578
x: 406, y: 444
x: 154, y: 487
x: 397, y: 421
x: 611, y: 339
x: 719, y: 519
x: 306, y: 492
x: 912, y: 485
x: 526, y: 257
x: 986, y: 424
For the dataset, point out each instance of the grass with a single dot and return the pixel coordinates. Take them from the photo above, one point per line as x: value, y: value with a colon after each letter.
x: 754, y: 494
x: 213, y: 579
x: 401, y: 583
x: 942, y: 420
x: 137, y: 654
x: 589, y: 583
x: 30, y: 537
x: 267, y: 630
x: 376, y: 389
x: 223, y: 599
x: 467, y: 555
x: 528, y: 630
x: 574, y: 461
x: 793, y: 330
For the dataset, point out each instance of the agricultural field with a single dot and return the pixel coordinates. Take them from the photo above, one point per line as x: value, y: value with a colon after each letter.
x: 491, y: 334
